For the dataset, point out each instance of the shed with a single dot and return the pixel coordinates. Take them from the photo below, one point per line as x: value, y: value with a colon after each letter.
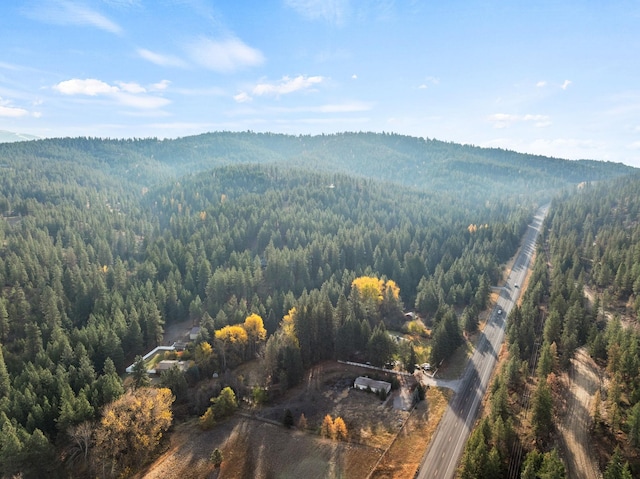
x: 363, y: 383
x: 193, y: 334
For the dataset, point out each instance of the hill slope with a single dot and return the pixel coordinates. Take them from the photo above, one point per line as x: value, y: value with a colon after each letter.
x: 414, y: 162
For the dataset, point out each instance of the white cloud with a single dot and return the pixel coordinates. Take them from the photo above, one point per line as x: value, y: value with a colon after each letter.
x: 332, y: 11
x: 287, y: 85
x: 354, y: 77
x: 541, y: 84
x: 127, y: 94
x: 65, y: 12
x: 161, y: 60
x: 90, y: 86
x: 12, y: 112
x: 7, y: 110
x: 504, y: 120
x: 242, y: 97
x: 566, y: 84
x: 224, y: 56
x: 131, y: 87
x: 161, y: 85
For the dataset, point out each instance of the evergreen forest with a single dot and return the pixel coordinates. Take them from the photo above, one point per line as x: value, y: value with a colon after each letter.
x: 294, y: 249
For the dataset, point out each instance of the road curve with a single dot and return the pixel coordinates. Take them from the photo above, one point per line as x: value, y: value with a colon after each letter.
x: 441, y: 458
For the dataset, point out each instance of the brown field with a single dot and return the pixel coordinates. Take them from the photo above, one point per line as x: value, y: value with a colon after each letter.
x: 256, y: 445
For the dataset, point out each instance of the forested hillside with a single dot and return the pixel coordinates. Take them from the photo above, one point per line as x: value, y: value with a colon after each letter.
x: 105, y: 243
x: 416, y: 162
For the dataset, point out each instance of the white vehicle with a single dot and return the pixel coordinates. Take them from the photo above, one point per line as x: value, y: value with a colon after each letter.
x: 499, y: 310
x: 426, y: 366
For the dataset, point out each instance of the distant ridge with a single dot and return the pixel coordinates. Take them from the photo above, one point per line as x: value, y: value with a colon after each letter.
x: 11, y: 137
x: 419, y: 163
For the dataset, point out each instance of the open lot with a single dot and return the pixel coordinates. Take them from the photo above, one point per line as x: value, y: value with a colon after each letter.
x: 255, y: 444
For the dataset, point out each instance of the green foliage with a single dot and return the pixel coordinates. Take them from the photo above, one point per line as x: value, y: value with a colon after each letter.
x: 542, y: 412
x: 103, y: 245
x: 447, y: 336
x: 615, y: 467
x: 139, y: 375
x: 216, y: 457
x: 175, y: 380
x: 222, y: 406
x: 546, y: 465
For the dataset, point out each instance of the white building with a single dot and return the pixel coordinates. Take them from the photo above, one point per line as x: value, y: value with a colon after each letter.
x: 364, y: 383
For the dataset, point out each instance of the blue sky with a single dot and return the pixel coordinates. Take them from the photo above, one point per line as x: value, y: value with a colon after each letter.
x: 559, y: 78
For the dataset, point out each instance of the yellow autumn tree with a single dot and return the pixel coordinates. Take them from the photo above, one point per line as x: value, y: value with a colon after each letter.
x: 369, y: 288
x: 340, y: 429
x: 205, y: 358
x: 391, y: 287
x: 327, y: 429
x: 131, y: 428
x: 288, y: 325
x: 232, y: 342
x: 254, y: 326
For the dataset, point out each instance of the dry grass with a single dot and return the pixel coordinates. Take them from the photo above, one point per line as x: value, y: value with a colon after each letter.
x: 258, y: 449
x: 453, y: 367
x: 403, y: 457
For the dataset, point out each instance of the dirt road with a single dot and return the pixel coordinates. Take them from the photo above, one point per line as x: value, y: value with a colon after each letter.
x: 574, y: 425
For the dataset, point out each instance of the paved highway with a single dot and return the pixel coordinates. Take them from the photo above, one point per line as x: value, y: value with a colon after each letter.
x: 444, y: 452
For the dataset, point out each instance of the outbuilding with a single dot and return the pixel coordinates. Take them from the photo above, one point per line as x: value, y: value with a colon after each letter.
x: 167, y: 364
x: 364, y: 383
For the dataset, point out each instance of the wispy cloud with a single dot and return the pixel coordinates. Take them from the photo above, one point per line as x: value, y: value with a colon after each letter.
x: 224, y: 56
x: 566, y: 84
x: 9, y: 66
x: 287, y: 85
x: 429, y: 81
x: 7, y: 110
x: 67, y: 12
x: 160, y: 59
x: 12, y: 112
x: 242, y: 97
x: 332, y: 11
x: 161, y: 85
x: 541, y: 84
x: 504, y: 120
x: 284, y: 86
x: 128, y: 94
